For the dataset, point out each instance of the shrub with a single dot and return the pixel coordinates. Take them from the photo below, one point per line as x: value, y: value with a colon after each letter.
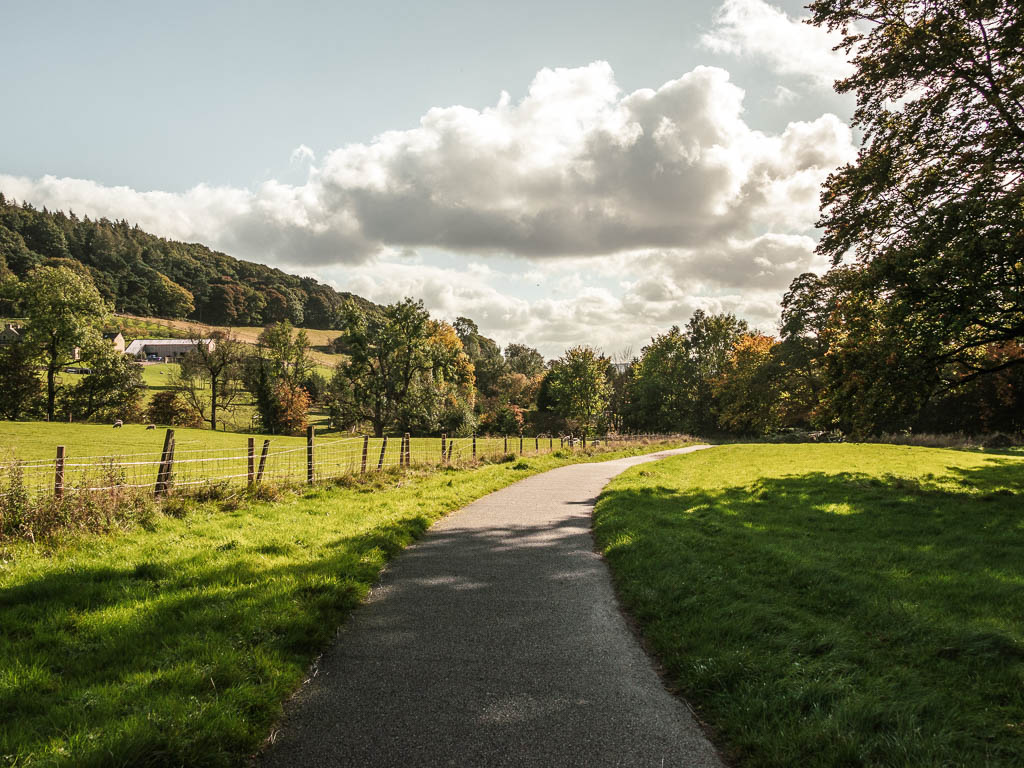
x: 169, y: 408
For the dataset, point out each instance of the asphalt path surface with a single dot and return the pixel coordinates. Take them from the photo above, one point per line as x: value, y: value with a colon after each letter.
x: 496, y: 640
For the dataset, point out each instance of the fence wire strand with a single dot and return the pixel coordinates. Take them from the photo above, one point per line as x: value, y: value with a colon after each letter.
x: 287, y: 464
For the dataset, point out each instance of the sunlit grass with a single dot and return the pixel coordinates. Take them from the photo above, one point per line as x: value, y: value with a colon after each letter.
x: 827, y: 605
x: 176, y: 645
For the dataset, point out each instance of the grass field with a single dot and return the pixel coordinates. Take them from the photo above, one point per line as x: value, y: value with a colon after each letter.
x: 826, y: 605
x: 247, y: 334
x: 176, y: 645
x: 202, y: 456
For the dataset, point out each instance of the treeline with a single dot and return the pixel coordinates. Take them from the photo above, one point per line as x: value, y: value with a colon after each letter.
x: 142, y: 274
x: 835, y: 366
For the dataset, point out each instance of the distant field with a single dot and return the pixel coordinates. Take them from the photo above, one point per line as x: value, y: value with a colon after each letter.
x: 247, y: 334
x: 93, y: 451
x: 826, y: 605
x: 29, y: 440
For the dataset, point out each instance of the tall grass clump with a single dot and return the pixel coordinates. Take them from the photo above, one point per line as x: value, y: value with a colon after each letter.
x: 109, y: 505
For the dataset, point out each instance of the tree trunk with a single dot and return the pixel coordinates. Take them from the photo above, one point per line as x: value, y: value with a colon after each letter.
x: 51, y: 378
x: 51, y: 388
x: 213, y: 403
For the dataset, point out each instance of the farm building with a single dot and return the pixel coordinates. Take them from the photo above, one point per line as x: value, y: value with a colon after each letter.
x: 167, y: 350
x: 116, y: 338
x: 10, y: 334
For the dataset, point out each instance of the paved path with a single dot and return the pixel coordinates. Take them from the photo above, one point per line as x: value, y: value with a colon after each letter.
x: 494, y: 641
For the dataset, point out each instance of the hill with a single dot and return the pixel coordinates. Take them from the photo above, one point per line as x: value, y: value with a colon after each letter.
x: 142, y: 274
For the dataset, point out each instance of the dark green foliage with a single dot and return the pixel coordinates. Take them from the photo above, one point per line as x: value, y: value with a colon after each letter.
x: 674, y: 381
x: 276, y: 374
x: 488, y: 363
x: 579, y: 388
x: 146, y: 275
x: 113, y: 390
x: 404, y: 371
x: 933, y: 207
x: 169, y: 409
x: 848, y: 360
x: 523, y: 359
x: 20, y: 385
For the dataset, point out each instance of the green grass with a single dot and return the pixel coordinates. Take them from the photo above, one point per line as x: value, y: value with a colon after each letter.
x: 336, y: 453
x: 826, y: 605
x: 29, y: 440
x: 176, y: 645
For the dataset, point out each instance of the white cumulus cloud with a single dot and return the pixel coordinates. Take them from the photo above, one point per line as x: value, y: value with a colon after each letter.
x: 574, y: 168
x: 628, y: 210
x: 790, y: 46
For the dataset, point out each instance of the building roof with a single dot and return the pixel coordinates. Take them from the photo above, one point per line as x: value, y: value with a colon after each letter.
x: 140, y: 344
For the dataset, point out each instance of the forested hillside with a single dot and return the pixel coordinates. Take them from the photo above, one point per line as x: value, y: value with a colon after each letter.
x: 143, y: 274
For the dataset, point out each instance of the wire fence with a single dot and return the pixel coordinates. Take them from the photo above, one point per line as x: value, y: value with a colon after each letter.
x: 257, y: 461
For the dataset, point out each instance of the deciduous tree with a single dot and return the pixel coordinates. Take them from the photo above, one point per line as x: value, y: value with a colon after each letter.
x: 64, y: 314
x: 213, y: 365
x: 387, y: 354
x: 579, y: 387
x: 934, y: 204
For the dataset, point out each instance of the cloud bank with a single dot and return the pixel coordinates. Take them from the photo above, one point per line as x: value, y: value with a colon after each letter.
x: 575, y: 168
x: 666, y: 191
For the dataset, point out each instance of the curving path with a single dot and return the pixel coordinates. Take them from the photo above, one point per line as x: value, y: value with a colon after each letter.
x: 494, y: 641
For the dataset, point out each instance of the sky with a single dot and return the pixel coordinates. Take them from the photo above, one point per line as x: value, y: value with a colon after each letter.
x: 561, y: 172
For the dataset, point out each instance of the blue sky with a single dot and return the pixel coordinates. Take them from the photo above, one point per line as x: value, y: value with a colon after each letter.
x: 642, y: 162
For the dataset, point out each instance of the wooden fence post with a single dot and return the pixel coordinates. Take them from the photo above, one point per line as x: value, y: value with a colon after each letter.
x: 520, y: 443
x: 408, y: 450
x: 444, y: 446
x: 163, y: 472
x: 448, y: 459
x: 263, y: 461
x: 536, y: 443
x: 584, y: 437
x: 383, y: 447
x: 310, y: 435
x: 251, y: 464
x: 506, y: 444
x: 474, y: 446
x: 58, y: 474
x: 551, y: 443
x: 366, y: 449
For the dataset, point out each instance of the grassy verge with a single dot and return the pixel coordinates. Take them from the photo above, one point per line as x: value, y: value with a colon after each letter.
x: 176, y: 644
x: 827, y: 605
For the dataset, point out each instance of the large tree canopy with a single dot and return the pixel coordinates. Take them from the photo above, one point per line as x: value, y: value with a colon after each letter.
x: 64, y: 314
x: 934, y: 205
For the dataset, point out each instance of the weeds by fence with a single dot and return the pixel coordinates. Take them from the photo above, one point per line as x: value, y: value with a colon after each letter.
x: 103, y: 491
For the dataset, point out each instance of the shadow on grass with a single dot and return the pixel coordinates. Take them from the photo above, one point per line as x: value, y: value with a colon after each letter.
x: 174, y: 660
x: 837, y: 619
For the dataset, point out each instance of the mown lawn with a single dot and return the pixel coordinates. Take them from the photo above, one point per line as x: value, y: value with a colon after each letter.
x: 827, y: 605
x: 176, y: 645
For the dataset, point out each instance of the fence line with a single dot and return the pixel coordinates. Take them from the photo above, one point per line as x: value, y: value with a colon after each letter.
x: 315, y: 461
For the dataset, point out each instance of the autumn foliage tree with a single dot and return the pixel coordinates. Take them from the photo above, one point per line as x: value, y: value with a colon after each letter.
x: 933, y: 207
x: 749, y: 399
